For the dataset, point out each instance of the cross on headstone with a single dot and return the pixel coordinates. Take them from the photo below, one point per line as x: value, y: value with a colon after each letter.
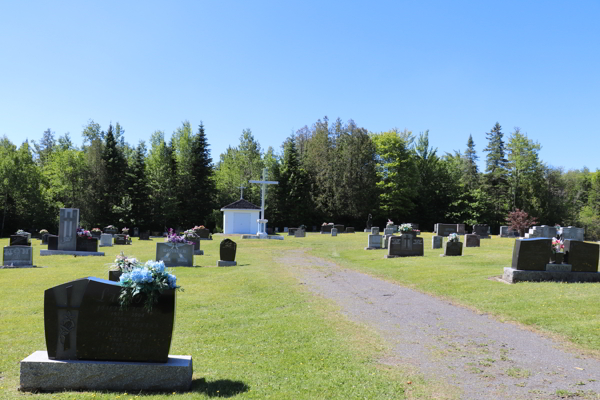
x: 241, y: 187
x: 264, y: 183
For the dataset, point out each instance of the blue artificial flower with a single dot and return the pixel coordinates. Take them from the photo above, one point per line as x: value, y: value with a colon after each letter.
x: 159, y: 267
x: 124, y: 277
x: 172, y: 281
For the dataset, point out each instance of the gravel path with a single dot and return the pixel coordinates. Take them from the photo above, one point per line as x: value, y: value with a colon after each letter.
x: 482, y: 357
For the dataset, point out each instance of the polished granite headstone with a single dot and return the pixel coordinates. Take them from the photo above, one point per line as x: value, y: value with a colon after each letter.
x: 531, y: 254
x: 88, y: 244
x: 339, y: 227
x: 446, y: 229
x: 203, y: 233
x: 52, y: 242
x: 18, y: 256
x: 83, y: 320
x: 482, y: 230
x: 472, y: 240
x: 582, y: 256
x: 67, y: 229
x: 374, y: 230
x: 406, y: 245
x: 326, y: 229
x: 45, y: 238
x: 145, y: 235
x: 227, y: 250
x: 374, y: 241
x: 452, y: 249
x: 175, y: 254
x: 19, y: 240
x: 334, y: 232
x: 349, y: 229
x: 121, y: 239
x: 291, y: 231
x: 437, y: 242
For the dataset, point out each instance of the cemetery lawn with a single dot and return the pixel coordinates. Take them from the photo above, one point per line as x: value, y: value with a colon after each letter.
x: 253, y: 331
x: 569, y: 312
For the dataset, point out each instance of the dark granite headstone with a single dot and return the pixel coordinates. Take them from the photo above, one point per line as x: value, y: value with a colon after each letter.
x: 114, y: 276
x: 326, y: 228
x: 300, y: 233
x: 405, y: 245
x: 112, y: 231
x: 472, y: 240
x: 531, y: 254
x: 52, y: 242
x: 17, y: 256
x: 83, y: 320
x: 453, y: 248
x: 145, y: 235
x: 19, y: 240
x: 136, y: 232
x: 349, y: 229
x: 482, y: 230
x: 369, y: 222
x: 339, y: 227
x: 67, y: 229
x: 292, y: 231
x: 196, y: 242
x: 446, y: 229
x: 45, y: 238
x: 85, y: 244
x: 120, y: 239
x: 96, y: 234
x: 227, y: 250
x: 202, y: 233
x: 582, y: 256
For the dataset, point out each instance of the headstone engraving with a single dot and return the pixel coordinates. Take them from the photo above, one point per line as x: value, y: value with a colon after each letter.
x: 67, y: 229
x: 83, y: 320
x: 227, y: 251
x: 175, y: 254
x: 17, y: 256
x: 472, y: 240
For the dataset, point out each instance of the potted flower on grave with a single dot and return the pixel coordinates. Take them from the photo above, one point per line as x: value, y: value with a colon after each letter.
x: 390, y: 222
x: 202, y: 232
x: 96, y: 232
x: 111, y: 229
x: 191, y: 236
x: 85, y: 241
x: 148, y: 282
x: 406, y: 229
x: 121, y: 265
x: 453, y: 246
x: 125, y: 231
x: 558, y: 251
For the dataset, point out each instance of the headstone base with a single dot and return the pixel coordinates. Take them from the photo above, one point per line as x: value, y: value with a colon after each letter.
x: 398, y: 256
x: 559, y: 267
x: 516, y: 275
x: 368, y: 230
x: 374, y: 248
x: 105, y: 245
x: 222, y: 263
x: 273, y: 237
x: 16, y: 266
x: 38, y: 373
x: 198, y: 252
x: 70, y: 253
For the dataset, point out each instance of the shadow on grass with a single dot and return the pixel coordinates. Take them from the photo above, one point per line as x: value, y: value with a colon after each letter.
x: 219, y: 388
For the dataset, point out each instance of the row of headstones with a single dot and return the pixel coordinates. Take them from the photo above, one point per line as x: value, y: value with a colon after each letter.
x: 546, y: 231
x: 537, y: 255
x: 405, y: 245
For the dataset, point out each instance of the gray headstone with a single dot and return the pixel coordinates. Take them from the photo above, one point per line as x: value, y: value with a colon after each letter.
x: 437, y: 242
x: 386, y: 238
x: 482, y: 230
x: 472, y: 240
x: 300, y: 233
x: 374, y: 241
x: 374, y: 230
x: 447, y: 229
x: 572, y: 233
x: 583, y: 257
x: 175, y: 254
x: 388, y: 231
x: 105, y: 240
x: 18, y: 256
x: 531, y: 254
x: 285, y: 230
x: 460, y: 229
x: 67, y: 229
x: 333, y: 232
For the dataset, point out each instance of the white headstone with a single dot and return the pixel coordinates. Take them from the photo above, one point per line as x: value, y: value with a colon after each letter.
x: 105, y: 240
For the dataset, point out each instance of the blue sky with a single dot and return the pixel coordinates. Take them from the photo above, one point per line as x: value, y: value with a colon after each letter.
x: 454, y: 68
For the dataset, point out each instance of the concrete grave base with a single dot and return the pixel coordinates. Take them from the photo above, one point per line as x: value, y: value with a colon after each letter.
x: 198, y: 252
x: 70, y: 253
x: 273, y: 237
x: 515, y: 275
x: 17, y: 266
x: 451, y: 255
x: 105, y: 245
x: 374, y: 248
x: 222, y: 263
x: 38, y: 373
x: 398, y: 256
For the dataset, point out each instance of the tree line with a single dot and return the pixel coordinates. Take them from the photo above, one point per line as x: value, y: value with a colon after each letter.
x: 327, y: 172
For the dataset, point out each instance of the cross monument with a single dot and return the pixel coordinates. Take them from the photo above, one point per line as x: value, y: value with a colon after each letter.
x: 262, y: 223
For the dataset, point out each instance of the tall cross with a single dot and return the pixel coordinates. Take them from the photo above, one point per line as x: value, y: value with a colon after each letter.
x: 241, y: 187
x: 264, y: 184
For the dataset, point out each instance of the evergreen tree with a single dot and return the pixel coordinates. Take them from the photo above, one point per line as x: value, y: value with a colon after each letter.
x: 470, y: 172
x: 139, y: 191
x: 115, y: 165
x: 203, y: 175
x: 293, y: 189
x: 496, y: 184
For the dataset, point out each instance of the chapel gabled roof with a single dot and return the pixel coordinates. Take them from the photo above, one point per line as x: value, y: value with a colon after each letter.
x: 241, y: 204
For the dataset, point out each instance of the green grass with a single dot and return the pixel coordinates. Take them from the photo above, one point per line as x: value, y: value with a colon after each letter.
x: 254, y: 332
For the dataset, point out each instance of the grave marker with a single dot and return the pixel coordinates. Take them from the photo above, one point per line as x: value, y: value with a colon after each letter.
x: 18, y: 256
x: 227, y: 251
x: 472, y: 240
x: 175, y: 254
x: 67, y: 229
x: 405, y: 245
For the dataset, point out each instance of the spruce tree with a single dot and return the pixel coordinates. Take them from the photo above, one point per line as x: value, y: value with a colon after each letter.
x: 496, y: 178
x: 470, y: 173
x: 139, y: 190
x: 202, y: 174
x: 115, y: 166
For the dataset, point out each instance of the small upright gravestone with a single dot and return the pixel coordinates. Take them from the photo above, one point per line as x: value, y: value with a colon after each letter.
x: 18, y: 256
x: 582, y: 256
x: 375, y: 230
x: 121, y: 239
x: 482, y: 230
x: 437, y: 242
x: 106, y: 240
x: 285, y: 229
x: 349, y: 229
x: 389, y: 231
x: 145, y: 235
x: 374, y: 240
x: 175, y: 254
x: 472, y: 240
x: 452, y: 249
x: 300, y: 232
x: 227, y: 252
x: 19, y: 240
x: 291, y: 231
x: 334, y: 232
x: 325, y: 229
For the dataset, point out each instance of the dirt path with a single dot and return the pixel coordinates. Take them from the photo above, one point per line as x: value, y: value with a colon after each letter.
x: 484, y: 358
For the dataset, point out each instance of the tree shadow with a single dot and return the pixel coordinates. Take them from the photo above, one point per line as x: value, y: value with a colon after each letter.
x: 219, y: 388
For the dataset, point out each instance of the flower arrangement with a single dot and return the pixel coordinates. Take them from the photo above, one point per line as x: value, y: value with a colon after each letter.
x: 452, y: 238
x: 84, y: 233
x: 326, y: 223
x: 390, y: 222
x: 151, y: 278
x: 96, y: 230
x: 557, y: 246
x: 190, y: 234
x: 43, y: 231
x: 125, y: 264
x: 174, y: 238
x: 125, y: 230
x: 111, y: 227
x: 406, y: 228
x: 20, y: 232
